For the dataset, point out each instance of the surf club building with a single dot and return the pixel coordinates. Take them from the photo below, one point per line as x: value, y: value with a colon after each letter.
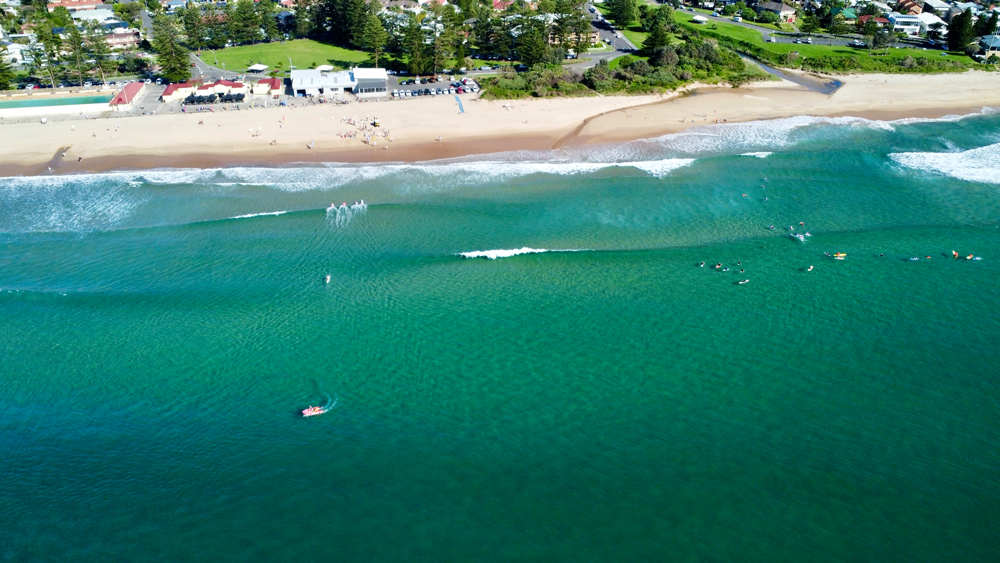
x: 364, y: 83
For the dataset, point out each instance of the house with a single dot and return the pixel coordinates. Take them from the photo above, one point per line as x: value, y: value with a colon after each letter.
x: 272, y: 87
x: 123, y: 39
x: 880, y: 22
x: 75, y: 5
x: 177, y: 92
x: 905, y: 23
x: 593, y: 38
x: 937, y: 6
x: 989, y: 45
x: 100, y: 16
x: 174, y: 5
x: 125, y: 99
x: 850, y: 16
x: 786, y: 14
x: 501, y: 5
x: 15, y: 52
x: 910, y: 7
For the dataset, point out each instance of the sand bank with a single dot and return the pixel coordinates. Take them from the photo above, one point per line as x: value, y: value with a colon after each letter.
x: 279, y: 135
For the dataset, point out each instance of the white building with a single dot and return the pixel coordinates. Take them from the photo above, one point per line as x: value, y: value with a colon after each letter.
x: 937, y: 6
x: 100, y: 16
x: 908, y: 24
x: 363, y: 82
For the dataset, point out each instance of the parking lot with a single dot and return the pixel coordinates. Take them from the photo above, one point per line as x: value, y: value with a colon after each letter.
x: 404, y: 87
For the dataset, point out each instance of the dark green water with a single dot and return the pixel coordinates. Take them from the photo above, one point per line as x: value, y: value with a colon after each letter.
x: 618, y: 403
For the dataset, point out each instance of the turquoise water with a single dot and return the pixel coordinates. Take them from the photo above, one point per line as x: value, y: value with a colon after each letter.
x: 55, y: 101
x: 160, y: 331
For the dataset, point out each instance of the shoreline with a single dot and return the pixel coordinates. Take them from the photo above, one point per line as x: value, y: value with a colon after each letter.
x: 242, y: 138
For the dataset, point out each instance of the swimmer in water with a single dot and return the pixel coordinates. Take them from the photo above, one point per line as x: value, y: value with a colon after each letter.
x: 327, y: 279
x: 810, y: 269
x: 702, y: 265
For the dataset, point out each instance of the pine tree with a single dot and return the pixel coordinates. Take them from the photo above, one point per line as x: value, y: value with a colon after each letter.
x: 99, y: 50
x: 268, y: 19
x: 657, y: 38
x: 173, y: 58
x: 374, y: 37
x: 987, y: 26
x: 623, y: 12
x: 245, y: 22
x: 76, y: 53
x: 7, y: 74
x: 960, y: 31
x: 194, y: 27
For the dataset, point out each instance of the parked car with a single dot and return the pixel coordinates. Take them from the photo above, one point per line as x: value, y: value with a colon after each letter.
x: 88, y: 84
x: 809, y: 40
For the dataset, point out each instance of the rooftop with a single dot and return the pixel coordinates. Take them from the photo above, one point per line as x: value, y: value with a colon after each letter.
x: 127, y: 94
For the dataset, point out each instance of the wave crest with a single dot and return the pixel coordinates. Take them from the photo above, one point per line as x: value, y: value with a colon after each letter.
x: 973, y: 165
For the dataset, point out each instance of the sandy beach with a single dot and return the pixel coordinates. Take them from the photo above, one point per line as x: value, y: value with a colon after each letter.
x: 284, y: 134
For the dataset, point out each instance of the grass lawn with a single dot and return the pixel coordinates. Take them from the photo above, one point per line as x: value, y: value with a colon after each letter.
x: 617, y: 61
x: 305, y: 53
x: 752, y: 36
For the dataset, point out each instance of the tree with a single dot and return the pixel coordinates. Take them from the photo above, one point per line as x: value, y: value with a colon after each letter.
x: 129, y: 13
x: 960, y: 31
x: 244, y: 23
x: 268, y: 19
x: 99, y: 50
x: 374, y: 37
x: 194, y: 27
x: 43, y: 61
x: 838, y: 25
x: 767, y: 17
x: 623, y: 12
x: 935, y: 31
x: 533, y: 48
x: 809, y: 25
x: 173, y: 58
x: 414, y: 47
x: 76, y: 53
x: 7, y: 74
x: 986, y: 26
x: 656, y: 39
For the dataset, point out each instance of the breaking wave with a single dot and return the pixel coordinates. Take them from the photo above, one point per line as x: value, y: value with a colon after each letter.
x: 341, y: 215
x: 974, y: 165
x: 494, y: 254
x: 757, y: 154
x: 266, y: 214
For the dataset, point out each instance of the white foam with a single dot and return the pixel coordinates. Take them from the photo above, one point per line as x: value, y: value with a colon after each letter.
x: 660, y: 168
x: 268, y: 214
x: 494, y: 254
x: 341, y: 215
x: 757, y: 154
x: 974, y: 165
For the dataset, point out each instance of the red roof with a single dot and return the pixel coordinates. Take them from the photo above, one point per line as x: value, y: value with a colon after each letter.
x: 175, y: 87
x: 501, y: 5
x: 229, y: 83
x: 274, y: 83
x: 127, y: 94
x: 864, y: 19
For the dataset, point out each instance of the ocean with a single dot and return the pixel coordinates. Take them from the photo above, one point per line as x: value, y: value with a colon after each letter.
x: 527, y: 359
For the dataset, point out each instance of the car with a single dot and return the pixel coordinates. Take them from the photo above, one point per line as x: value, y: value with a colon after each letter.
x: 390, y: 72
x: 737, y: 19
x: 192, y: 64
x: 148, y: 81
x: 798, y: 41
x: 159, y: 81
x: 88, y: 84
x: 809, y: 40
x: 772, y: 39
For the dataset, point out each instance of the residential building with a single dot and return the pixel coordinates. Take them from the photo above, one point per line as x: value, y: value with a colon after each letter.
x: 937, y: 6
x: 593, y: 38
x: 75, y: 5
x: 905, y: 23
x: 850, y: 16
x: 786, y: 14
x: 880, y: 22
x: 124, y: 39
x: 989, y: 45
x: 100, y: 16
x: 911, y: 7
